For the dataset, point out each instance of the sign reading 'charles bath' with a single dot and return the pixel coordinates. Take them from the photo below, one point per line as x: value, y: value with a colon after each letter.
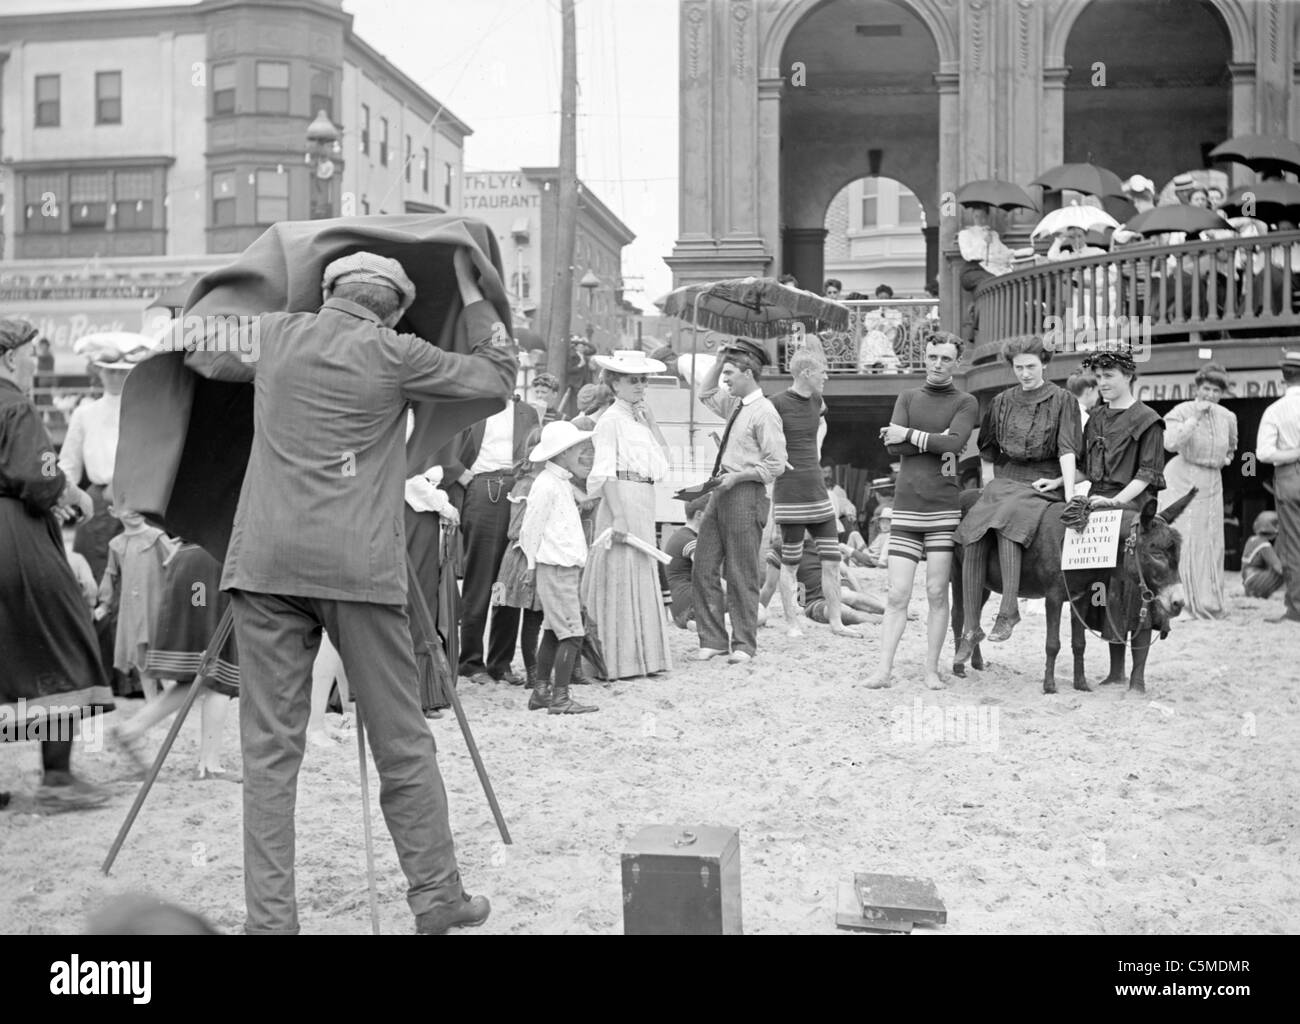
x: 1096, y: 546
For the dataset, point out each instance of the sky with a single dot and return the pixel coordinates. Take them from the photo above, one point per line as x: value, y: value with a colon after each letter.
x: 496, y: 65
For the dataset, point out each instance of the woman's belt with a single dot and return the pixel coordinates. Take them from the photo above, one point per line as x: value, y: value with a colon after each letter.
x: 635, y: 478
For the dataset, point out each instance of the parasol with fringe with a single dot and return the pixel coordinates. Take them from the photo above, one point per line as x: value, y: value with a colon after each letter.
x: 753, y: 307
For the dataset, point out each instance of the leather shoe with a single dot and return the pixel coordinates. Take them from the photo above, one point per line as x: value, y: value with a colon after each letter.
x: 482, y: 678
x: 1288, y: 617
x: 470, y: 912
x: 1002, y: 628
x: 509, y: 676
x: 967, y: 646
x: 708, y: 653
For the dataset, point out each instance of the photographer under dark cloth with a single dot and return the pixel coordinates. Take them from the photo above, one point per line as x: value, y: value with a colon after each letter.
x: 319, y: 541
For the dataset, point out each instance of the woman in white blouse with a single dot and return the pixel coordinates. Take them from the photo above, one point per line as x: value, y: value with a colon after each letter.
x: 1204, y: 435
x: 620, y: 586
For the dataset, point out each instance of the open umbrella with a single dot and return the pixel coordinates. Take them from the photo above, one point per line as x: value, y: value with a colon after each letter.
x: 1086, y: 178
x: 1086, y: 218
x: 1263, y: 153
x: 754, y: 307
x: 1267, y: 200
x: 991, y: 192
x: 1190, y: 220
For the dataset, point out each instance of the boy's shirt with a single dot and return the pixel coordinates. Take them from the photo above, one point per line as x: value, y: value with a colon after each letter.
x: 552, y: 528
x: 681, y: 548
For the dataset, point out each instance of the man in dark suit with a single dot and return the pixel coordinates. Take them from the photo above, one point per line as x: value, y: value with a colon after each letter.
x: 483, y: 468
x: 319, y: 541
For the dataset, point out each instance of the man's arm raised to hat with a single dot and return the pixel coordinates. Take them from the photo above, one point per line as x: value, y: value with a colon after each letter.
x: 711, y: 396
x: 491, y: 368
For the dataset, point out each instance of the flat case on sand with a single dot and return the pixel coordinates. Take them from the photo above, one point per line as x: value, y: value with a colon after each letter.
x: 682, y: 880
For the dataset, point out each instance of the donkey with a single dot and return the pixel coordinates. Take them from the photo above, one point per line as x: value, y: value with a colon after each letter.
x: 1140, y: 594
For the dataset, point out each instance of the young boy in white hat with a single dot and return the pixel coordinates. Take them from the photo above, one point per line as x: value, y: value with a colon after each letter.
x: 553, y: 542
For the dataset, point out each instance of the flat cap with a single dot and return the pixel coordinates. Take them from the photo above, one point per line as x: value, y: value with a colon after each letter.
x: 368, y: 267
x: 746, y: 347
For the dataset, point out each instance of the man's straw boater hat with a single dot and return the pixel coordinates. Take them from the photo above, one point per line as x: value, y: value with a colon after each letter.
x: 1290, y: 361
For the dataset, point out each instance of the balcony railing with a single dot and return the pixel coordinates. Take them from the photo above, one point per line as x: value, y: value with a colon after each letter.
x: 1147, y: 293
x: 884, y: 336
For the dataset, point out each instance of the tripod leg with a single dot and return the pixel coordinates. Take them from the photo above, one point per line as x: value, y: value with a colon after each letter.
x: 365, y: 810
x: 207, y: 668
x: 429, y: 633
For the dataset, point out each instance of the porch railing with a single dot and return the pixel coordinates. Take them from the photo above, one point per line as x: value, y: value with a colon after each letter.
x: 1146, y: 293
x: 884, y: 336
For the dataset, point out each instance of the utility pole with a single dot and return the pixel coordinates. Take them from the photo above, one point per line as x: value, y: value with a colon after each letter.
x: 566, y: 222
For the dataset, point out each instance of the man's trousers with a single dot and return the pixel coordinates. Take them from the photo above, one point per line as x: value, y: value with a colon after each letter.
x: 484, y: 521
x: 278, y: 637
x: 730, y: 544
x: 1286, y: 495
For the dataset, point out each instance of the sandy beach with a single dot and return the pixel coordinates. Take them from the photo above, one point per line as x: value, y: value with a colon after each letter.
x: 1080, y: 812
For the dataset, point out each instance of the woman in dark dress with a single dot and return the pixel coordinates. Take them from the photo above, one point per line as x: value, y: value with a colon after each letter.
x: 1029, y: 441
x: 52, y: 676
x: 1124, y: 441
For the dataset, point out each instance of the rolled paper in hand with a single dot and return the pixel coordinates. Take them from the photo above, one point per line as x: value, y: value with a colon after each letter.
x: 607, y: 538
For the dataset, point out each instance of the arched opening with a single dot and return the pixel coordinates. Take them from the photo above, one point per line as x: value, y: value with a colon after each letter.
x: 874, y: 236
x: 860, y: 101
x: 1149, y: 90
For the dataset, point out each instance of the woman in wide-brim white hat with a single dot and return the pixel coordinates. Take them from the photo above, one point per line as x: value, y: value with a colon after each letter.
x: 620, y: 586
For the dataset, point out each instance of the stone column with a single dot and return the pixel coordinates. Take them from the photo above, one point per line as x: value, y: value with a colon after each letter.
x: 769, y: 167
x: 950, y: 177
x: 1274, y: 63
x: 719, y: 144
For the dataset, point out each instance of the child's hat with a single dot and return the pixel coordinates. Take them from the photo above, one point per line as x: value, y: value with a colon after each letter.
x: 557, y: 437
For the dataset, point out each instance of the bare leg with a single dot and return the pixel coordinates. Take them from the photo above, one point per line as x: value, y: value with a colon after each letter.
x: 150, y: 686
x: 788, y: 584
x: 938, y: 572
x: 834, y: 605
x: 902, y: 574
x: 154, y: 711
x: 327, y: 667
x: 212, y: 725
x: 861, y: 602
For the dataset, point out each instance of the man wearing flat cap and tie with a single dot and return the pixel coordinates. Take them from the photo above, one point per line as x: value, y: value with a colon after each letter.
x: 318, y: 541
x: 1278, y: 444
x: 752, y: 454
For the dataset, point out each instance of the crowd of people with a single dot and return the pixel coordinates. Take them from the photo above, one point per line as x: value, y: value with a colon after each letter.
x: 1184, y: 286
x: 559, y: 560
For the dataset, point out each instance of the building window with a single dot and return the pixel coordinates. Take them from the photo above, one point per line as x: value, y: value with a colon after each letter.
x: 446, y: 187
x: 47, y: 101
x: 42, y: 214
x: 322, y: 93
x: 108, y: 97
x: 424, y: 170
x: 365, y: 129
x: 88, y: 200
x: 272, y: 196
x: 272, y: 87
x: 133, y: 201
x: 223, y: 89
x: 383, y: 141
x: 870, y: 202
x: 910, y: 210
x: 223, y: 199
x: 407, y: 162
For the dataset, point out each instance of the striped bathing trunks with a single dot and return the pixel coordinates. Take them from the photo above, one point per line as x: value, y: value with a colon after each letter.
x: 914, y: 535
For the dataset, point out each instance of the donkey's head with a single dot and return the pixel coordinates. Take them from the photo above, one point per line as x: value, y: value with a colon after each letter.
x: 1159, y: 547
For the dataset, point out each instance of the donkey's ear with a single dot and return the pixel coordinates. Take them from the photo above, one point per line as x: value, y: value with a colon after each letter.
x: 1148, y: 512
x: 1179, y: 507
